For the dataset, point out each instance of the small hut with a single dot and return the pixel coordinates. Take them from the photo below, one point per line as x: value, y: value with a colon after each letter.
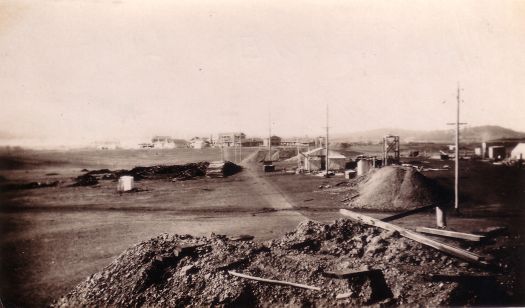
x: 315, y: 160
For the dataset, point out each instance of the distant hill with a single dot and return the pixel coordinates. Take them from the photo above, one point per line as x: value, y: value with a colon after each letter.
x: 468, y: 134
x: 7, y: 135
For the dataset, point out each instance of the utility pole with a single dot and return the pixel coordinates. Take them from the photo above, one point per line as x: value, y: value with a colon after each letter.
x: 240, y: 148
x: 269, y: 135
x: 298, y: 157
x: 327, y: 159
x: 456, y: 167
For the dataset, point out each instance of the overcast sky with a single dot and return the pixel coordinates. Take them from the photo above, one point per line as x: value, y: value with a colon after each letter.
x: 96, y: 70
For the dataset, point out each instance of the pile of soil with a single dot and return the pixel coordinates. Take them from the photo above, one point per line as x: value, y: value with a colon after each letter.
x: 181, y: 270
x: 31, y: 185
x: 172, y: 172
x: 220, y: 169
x: 396, y: 188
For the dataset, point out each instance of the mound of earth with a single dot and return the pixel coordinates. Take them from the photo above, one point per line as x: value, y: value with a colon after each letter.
x: 396, y: 188
x: 170, y: 172
x: 181, y: 270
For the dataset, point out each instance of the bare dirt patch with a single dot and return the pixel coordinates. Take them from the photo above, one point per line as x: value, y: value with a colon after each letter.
x: 159, y: 272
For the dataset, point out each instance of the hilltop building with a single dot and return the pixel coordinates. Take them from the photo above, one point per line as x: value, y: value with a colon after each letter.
x: 166, y: 142
x: 199, y: 143
x: 252, y: 142
x: 230, y: 139
x: 298, y: 142
x: 275, y: 141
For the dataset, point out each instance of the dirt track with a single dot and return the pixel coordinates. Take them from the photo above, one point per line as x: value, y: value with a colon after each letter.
x: 55, y: 237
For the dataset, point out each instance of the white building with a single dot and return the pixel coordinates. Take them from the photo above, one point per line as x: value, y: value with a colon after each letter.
x: 315, y: 160
x: 166, y: 142
x: 518, y: 152
x: 198, y: 143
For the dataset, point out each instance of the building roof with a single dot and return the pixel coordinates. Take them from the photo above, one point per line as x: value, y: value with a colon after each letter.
x: 322, y: 152
x: 232, y: 133
x: 520, y: 148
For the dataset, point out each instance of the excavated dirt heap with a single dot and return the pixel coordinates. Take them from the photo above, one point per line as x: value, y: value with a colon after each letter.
x: 181, y: 270
x: 170, y: 172
x: 397, y: 188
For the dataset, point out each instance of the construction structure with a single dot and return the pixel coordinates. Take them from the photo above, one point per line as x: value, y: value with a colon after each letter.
x: 390, y: 149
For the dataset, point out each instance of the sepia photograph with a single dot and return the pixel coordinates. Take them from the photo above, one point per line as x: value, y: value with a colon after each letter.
x: 262, y: 153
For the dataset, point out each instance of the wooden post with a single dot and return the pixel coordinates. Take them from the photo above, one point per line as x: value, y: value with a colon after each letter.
x: 286, y: 283
x: 441, y: 218
x: 443, y: 247
x: 453, y: 234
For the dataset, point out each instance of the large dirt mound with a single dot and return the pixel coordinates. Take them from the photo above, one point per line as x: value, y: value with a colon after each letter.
x: 397, y: 188
x: 181, y: 270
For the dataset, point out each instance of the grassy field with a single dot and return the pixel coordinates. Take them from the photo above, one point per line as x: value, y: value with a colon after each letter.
x: 112, y: 159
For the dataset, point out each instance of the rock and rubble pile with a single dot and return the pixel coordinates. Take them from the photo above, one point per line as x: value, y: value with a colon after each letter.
x: 220, y: 169
x: 396, y: 188
x: 181, y: 270
x: 170, y: 172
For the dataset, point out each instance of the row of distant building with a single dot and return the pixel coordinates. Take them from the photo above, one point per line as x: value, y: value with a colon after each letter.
x: 234, y: 139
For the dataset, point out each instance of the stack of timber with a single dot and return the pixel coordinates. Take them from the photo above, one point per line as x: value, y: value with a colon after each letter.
x: 220, y: 169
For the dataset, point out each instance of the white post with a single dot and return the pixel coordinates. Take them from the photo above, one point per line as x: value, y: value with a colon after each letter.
x: 441, y: 218
x: 125, y: 183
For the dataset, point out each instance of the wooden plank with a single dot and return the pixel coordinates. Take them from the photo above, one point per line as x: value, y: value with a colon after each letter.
x: 350, y: 273
x: 241, y: 237
x: 455, y: 251
x: 454, y: 234
x: 492, y: 231
x: 293, y: 284
x: 407, y: 213
x: 344, y: 295
x: 458, y: 277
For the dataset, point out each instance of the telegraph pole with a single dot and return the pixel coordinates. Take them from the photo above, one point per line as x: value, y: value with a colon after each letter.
x: 456, y: 168
x: 327, y: 159
x: 240, y: 148
x: 269, y: 135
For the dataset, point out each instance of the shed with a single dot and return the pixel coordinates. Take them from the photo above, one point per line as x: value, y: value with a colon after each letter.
x: 497, y: 152
x: 315, y: 160
x: 519, y: 151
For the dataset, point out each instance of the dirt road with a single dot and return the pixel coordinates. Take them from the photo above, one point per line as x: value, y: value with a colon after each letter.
x: 52, y: 238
